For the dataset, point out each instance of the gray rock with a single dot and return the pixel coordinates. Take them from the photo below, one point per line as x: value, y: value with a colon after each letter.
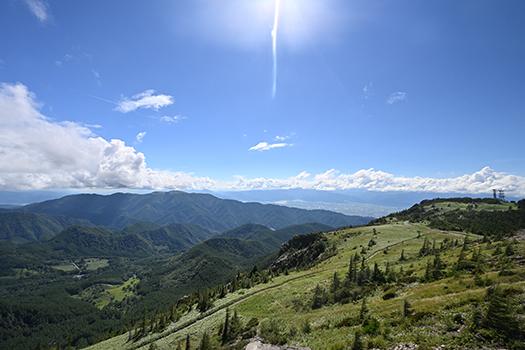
x: 257, y: 344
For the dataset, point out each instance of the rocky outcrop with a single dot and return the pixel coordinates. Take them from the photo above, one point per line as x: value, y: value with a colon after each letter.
x: 257, y: 344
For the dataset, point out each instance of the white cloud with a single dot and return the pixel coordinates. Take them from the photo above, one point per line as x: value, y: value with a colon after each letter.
x: 285, y: 137
x: 481, y: 181
x: 67, y: 58
x: 172, y: 119
x: 395, y: 97
x: 140, y: 136
x: 38, y: 8
x: 37, y: 152
x: 265, y: 146
x: 147, y: 99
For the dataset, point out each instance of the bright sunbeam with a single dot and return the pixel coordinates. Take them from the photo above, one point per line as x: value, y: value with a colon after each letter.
x: 294, y: 25
x: 275, y: 30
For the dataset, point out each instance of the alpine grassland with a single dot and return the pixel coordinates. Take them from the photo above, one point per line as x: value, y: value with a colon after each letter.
x: 380, y: 285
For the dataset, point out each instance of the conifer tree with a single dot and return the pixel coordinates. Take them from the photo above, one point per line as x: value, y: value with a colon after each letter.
x: 235, y: 326
x: 509, y: 250
x: 377, y: 274
x: 402, y: 257
x: 350, y: 276
x: 188, y: 343
x: 437, y: 271
x: 226, y: 328
x: 363, y: 312
x: 462, y: 260
x: 336, y: 283
x: 319, y: 297
x: 358, y: 343
x: 424, y: 250
x: 500, y: 313
x: 477, y: 316
x: 205, y: 343
x: 407, y: 309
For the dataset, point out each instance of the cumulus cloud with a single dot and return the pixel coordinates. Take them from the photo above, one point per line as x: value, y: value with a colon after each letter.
x: 140, y: 136
x: 37, y: 152
x: 147, y: 100
x: 38, y: 8
x: 396, y: 97
x: 481, y: 181
x: 265, y: 146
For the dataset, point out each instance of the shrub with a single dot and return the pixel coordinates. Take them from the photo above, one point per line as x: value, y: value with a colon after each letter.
x: 273, y: 332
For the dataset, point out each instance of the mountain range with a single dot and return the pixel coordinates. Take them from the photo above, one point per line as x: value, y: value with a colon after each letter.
x: 44, y: 220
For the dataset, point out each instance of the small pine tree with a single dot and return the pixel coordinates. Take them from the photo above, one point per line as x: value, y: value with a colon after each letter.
x: 509, y: 250
x: 407, y: 309
x: 477, y: 316
x: 358, y: 343
x: 205, y: 343
x: 500, y: 313
x: 363, y: 312
x: 188, y: 343
x: 319, y: 298
x: 424, y: 250
x: 235, y: 326
x: 462, y: 260
x: 377, y: 274
x: 336, y: 283
x: 226, y: 328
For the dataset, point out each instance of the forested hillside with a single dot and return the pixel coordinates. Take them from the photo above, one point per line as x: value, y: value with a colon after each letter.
x: 123, y: 209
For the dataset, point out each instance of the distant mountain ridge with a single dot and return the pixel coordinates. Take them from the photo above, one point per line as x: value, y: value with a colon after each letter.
x: 214, y: 214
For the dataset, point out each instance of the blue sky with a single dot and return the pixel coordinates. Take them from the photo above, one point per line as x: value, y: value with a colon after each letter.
x: 410, y: 88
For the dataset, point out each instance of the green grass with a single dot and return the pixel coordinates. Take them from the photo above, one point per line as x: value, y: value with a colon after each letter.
x: 93, y: 264
x: 65, y: 267
x: 287, y: 297
x: 101, y: 295
x: 88, y: 264
x: 449, y: 206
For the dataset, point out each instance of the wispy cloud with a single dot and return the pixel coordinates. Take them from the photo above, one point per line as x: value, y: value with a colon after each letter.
x: 396, y: 97
x: 368, y: 90
x: 172, y: 119
x: 284, y: 137
x: 265, y: 146
x: 140, y: 136
x: 39, y: 8
x: 66, y: 58
x: 147, y: 100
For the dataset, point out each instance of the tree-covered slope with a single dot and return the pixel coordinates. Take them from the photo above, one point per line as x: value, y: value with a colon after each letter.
x: 212, y: 213
x: 24, y: 227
